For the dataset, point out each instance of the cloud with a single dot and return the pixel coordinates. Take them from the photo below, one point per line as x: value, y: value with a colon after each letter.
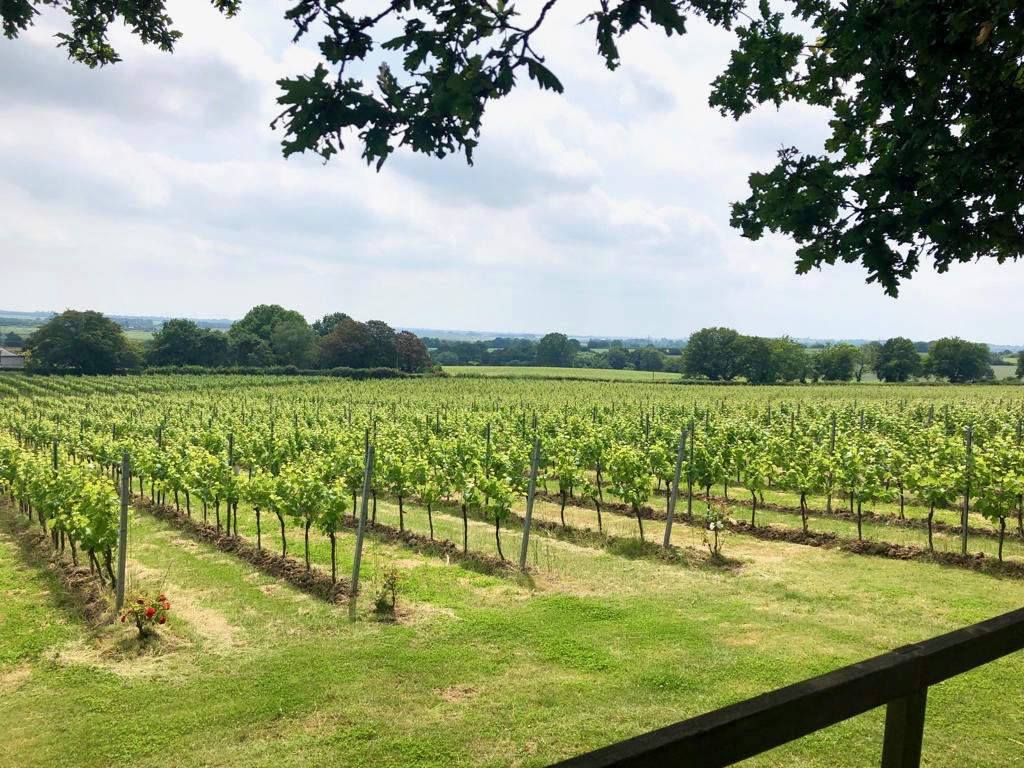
x: 156, y: 186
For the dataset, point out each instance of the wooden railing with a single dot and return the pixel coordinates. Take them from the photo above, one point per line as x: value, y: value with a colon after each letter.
x: 899, y: 679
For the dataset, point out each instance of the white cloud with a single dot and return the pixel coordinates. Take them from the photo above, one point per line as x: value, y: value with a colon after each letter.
x: 156, y: 186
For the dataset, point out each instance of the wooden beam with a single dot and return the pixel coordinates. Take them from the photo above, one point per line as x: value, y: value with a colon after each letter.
x: 736, y: 732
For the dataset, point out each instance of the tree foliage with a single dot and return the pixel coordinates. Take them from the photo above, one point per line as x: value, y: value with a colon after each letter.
x: 897, y: 360
x: 84, y: 342
x: 923, y: 160
x: 328, y: 322
x: 716, y: 353
x: 836, y: 362
x: 557, y: 350
x: 959, y: 361
x: 182, y: 342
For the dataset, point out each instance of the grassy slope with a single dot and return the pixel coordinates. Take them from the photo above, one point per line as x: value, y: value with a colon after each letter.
x: 481, y: 670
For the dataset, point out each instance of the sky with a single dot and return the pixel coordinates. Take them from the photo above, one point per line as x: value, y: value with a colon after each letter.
x: 157, y: 187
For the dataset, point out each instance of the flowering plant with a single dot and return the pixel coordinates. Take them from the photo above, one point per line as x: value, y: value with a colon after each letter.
x: 715, y: 520
x: 147, y: 612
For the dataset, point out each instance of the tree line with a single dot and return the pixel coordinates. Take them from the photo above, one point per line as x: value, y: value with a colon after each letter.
x: 268, y: 336
x: 722, y: 354
x: 555, y: 350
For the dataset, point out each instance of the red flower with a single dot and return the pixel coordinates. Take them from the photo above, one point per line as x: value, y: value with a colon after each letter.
x: 163, y: 619
x: 123, y: 618
x: 167, y: 606
x: 162, y: 598
x: 150, y: 611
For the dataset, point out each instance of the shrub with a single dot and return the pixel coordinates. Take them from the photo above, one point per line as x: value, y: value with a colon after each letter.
x: 147, y: 613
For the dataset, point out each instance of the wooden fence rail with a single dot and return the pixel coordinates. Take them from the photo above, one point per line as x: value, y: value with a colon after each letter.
x: 898, y: 679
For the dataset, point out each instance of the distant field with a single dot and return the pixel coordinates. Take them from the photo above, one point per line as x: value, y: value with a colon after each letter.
x: 608, y: 374
x: 1005, y: 371
x: 533, y: 372
x: 25, y: 330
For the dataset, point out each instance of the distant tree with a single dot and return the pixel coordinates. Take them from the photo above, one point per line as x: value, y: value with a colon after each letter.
x: 245, y: 348
x: 85, y: 342
x: 385, y: 344
x: 868, y: 358
x: 445, y: 357
x: 790, y: 359
x: 922, y: 346
x: 897, y: 360
x: 293, y: 342
x: 675, y: 363
x: 413, y: 356
x: 836, y: 362
x: 213, y: 349
x: 1020, y: 365
x: 757, y: 360
x: 261, y: 322
x: 350, y: 344
x: 959, y: 361
x: 327, y: 323
x: 648, y: 359
x: 617, y: 358
x: 556, y: 350
x: 12, y: 340
x: 715, y: 353
x: 262, y: 319
x: 176, y: 343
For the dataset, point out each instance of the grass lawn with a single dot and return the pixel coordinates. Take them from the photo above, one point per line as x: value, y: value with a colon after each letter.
x: 535, y: 372
x: 479, y: 669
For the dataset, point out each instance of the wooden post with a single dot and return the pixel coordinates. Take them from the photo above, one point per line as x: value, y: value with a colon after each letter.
x: 689, y: 475
x: 904, y: 731
x: 360, y: 531
x: 122, y: 534
x: 967, y: 491
x: 487, y: 452
x: 55, y: 454
x: 675, y: 489
x: 531, y: 491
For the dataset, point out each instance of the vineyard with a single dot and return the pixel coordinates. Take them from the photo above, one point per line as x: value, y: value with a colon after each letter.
x: 548, y: 546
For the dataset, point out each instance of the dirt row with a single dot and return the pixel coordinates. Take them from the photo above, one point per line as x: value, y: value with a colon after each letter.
x: 885, y: 518
x: 648, y: 512
x: 977, y: 562
x: 85, y: 591
x: 583, y: 537
x: 315, y: 581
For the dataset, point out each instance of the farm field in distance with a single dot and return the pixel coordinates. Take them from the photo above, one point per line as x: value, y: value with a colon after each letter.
x: 542, y: 372
x: 604, y: 637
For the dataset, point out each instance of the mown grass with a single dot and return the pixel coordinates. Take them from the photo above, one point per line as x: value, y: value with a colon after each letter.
x: 479, y: 669
x: 873, y: 529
